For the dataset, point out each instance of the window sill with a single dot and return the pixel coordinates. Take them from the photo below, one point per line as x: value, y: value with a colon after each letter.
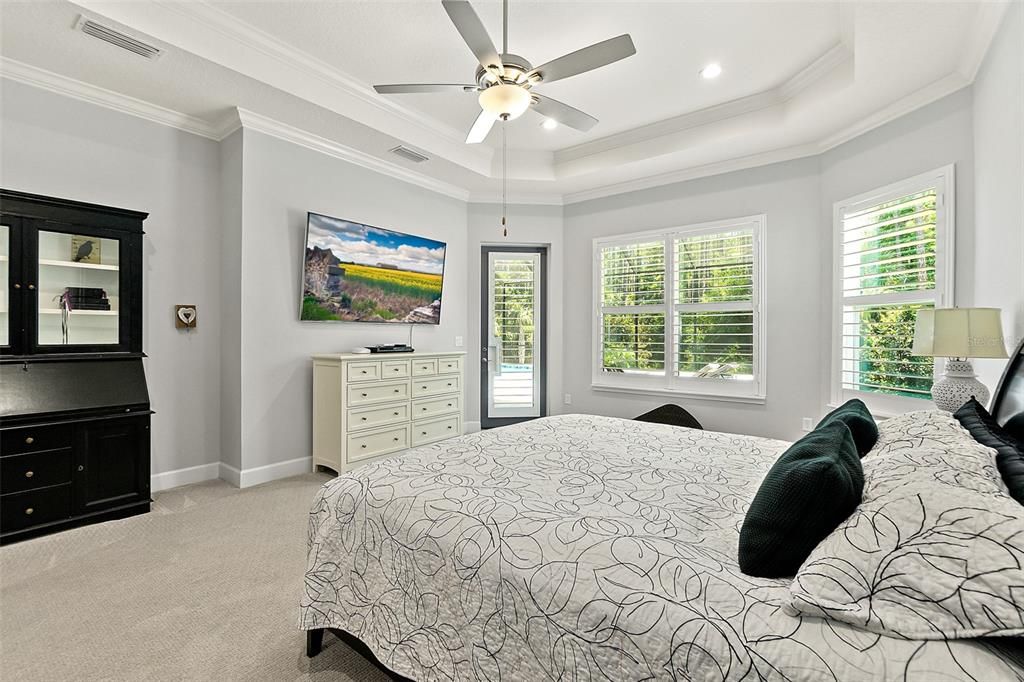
x: 719, y: 397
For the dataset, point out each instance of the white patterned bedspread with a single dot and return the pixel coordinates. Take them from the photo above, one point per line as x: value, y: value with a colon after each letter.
x: 580, y: 548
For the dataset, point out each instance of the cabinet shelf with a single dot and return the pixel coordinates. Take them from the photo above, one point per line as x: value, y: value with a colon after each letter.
x: 56, y: 311
x: 82, y: 266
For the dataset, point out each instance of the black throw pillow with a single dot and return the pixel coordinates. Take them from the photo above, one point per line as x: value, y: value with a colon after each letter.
x: 857, y: 416
x: 1009, y: 451
x: 811, y: 489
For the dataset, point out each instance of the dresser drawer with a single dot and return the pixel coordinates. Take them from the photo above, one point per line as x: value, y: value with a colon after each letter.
x: 377, y: 393
x: 21, y: 510
x: 362, y: 371
x: 436, y: 386
x: 378, y: 442
x: 424, y: 367
x: 449, y: 365
x: 34, y: 439
x: 425, y: 408
x: 428, y: 432
x: 368, y: 417
x: 394, y: 369
x: 35, y: 470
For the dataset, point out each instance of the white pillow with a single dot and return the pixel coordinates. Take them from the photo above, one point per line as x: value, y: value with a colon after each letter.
x: 936, y: 548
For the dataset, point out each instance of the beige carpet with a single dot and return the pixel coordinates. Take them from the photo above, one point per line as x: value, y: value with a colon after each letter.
x: 205, y: 587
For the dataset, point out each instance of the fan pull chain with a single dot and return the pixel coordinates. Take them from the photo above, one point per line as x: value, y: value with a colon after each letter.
x: 504, y: 176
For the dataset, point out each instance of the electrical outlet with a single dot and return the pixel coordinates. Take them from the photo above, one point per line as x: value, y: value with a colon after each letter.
x: 808, y: 424
x: 568, y: 398
x: 458, y: 342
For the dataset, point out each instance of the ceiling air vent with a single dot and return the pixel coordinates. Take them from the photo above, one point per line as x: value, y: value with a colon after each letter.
x: 117, y: 38
x: 409, y: 154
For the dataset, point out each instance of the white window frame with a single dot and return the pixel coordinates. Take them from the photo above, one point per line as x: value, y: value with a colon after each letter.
x: 942, y: 296
x: 668, y: 384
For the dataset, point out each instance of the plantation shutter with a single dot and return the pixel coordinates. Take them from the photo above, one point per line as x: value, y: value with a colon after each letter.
x: 889, y: 269
x: 715, y: 304
x: 679, y: 310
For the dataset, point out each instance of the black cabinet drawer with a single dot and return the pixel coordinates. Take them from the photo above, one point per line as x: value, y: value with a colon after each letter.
x: 35, y: 507
x: 35, y: 470
x: 34, y: 439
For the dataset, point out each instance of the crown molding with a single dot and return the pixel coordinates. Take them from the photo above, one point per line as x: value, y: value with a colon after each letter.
x: 249, y: 120
x: 85, y: 92
x: 832, y: 59
x: 517, y: 198
x: 217, y: 36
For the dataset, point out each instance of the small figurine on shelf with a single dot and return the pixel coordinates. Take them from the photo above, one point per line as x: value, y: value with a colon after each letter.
x: 84, y: 250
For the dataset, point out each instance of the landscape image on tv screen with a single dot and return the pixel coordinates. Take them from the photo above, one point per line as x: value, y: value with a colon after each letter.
x: 360, y: 273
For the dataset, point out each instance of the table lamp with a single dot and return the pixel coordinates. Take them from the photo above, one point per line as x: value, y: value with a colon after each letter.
x: 959, y: 334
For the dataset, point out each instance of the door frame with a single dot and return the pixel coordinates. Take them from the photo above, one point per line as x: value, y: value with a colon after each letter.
x: 485, y: 251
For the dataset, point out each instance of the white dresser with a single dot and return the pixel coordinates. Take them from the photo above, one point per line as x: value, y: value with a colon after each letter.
x: 366, y: 406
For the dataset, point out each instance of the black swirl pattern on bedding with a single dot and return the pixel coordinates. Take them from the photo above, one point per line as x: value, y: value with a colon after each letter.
x: 581, y: 548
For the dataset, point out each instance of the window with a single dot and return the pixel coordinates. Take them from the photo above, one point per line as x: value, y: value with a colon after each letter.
x: 680, y: 311
x: 894, y: 256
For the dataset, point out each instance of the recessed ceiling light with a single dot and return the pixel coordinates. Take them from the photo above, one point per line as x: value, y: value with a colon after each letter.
x: 549, y: 124
x: 711, y: 71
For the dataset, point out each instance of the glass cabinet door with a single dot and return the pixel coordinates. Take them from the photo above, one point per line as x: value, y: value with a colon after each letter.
x: 78, y: 284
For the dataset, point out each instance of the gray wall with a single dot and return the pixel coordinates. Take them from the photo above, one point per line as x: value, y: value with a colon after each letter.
x: 281, y: 182
x: 999, y: 182
x: 230, y: 298
x: 797, y: 197
x: 528, y: 226
x: 62, y: 147
x: 788, y: 193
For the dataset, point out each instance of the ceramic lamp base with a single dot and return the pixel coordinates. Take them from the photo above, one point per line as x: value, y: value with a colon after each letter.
x: 958, y: 385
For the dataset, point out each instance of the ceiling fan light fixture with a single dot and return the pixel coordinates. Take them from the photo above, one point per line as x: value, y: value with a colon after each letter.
x: 505, y: 100
x: 711, y: 71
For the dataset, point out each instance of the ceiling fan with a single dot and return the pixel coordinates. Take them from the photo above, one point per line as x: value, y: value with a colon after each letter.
x: 505, y: 80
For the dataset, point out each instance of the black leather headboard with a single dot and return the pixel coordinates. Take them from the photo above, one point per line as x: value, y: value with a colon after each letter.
x: 1008, y: 401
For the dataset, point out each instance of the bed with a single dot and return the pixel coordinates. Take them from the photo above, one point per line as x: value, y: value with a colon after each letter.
x: 585, y: 548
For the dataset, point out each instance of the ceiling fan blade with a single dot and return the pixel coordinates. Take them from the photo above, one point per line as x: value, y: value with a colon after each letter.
x: 587, y: 59
x: 482, y: 126
x: 473, y: 32
x: 563, y: 113
x: 411, y: 88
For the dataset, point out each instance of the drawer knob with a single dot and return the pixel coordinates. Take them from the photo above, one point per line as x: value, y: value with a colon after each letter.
x: 364, y: 395
x: 30, y: 440
x: 29, y: 511
x: 449, y: 428
x: 449, y: 404
x: 364, y: 418
x: 396, y: 437
x: 397, y: 391
x: 81, y: 467
x: 396, y: 369
x: 449, y: 383
x: 363, y: 446
x: 424, y: 409
x: 29, y: 474
x: 396, y: 414
x: 424, y: 388
x: 423, y: 433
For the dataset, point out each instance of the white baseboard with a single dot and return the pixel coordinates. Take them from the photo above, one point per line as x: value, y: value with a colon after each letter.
x: 172, y: 479
x: 471, y: 427
x: 230, y: 474
x: 271, y: 472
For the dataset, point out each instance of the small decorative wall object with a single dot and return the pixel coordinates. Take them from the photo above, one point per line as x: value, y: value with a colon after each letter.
x: 185, y: 316
x: 85, y: 249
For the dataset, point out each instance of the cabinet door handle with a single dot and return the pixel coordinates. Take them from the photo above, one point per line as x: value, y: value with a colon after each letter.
x: 17, y: 286
x: 30, y: 440
x: 81, y: 467
x: 29, y: 474
x: 29, y: 511
x: 31, y: 287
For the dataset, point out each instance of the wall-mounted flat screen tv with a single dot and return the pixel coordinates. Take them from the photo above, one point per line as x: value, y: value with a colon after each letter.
x: 359, y: 273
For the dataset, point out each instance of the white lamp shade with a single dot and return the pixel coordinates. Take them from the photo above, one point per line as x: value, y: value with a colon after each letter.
x: 505, y: 100
x: 959, y: 333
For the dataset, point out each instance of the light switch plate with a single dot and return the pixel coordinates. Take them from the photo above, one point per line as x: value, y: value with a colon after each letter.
x: 458, y: 342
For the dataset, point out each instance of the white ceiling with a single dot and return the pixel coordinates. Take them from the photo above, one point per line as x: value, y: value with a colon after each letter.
x: 798, y: 77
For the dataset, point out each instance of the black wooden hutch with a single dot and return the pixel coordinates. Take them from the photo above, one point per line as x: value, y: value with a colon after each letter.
x: 74, y: 406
